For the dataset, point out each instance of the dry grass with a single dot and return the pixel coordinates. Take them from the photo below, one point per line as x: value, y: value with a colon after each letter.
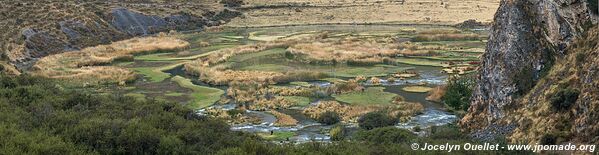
x: 283, y: 119
x: 405, y: 110
x: 417, y: 89
x: 436, y: 93
x: 213, y: 68
x: 83, y: 65
x: 302, y: 12
x: 8, y: 69
x: 347, y: 113
x: 344, y: 50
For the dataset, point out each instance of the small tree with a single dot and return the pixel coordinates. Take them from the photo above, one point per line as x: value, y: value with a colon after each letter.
x: 375, y: 120
x: 459, y: 91
x: 329, y: 118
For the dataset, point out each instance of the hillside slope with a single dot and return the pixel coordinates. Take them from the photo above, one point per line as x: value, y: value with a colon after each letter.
x: 33, y: 29
x: 530, y: 39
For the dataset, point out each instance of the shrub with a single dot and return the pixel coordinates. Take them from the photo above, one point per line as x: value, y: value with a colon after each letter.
x: 375, y: 120
x: 548, y: 139
x: 337, y: 133
x: 563, y: 99
x: 458, y: 93
x: 524, y: 80
x: 385, y: 135
x: 447, y: 132
x: 329, y: 118
x: 580, y: 56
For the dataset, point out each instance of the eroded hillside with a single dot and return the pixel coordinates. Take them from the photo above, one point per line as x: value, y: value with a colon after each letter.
x: 34, y: 29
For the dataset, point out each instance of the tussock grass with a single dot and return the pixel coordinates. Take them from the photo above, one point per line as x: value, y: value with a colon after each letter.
x: 283, y: 119
x: 436, y: 93
x: 348, y: 49
x: 83, y: 65
x: 417, y: 89
x: 346, y: 112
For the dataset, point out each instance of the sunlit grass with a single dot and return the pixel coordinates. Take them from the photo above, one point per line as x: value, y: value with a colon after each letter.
x: 299, y: 101
x: 277, y: 136
x: 370, y: 96
x: 201, y: 96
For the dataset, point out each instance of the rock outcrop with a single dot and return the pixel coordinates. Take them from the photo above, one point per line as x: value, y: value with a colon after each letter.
x: 527, y: 38
x: 62, y: 26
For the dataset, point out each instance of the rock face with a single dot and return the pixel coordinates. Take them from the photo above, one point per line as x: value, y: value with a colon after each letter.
x: 78, y: 26
x: 527, y: 38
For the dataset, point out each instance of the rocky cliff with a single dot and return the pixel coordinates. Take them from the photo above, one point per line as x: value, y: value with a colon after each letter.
x: 33, y: 29
x: 528, y: 39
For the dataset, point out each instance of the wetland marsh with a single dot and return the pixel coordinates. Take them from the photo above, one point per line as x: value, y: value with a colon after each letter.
x: 277, y: 81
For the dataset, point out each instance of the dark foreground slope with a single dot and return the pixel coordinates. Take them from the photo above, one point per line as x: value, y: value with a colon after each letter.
x: 40, y: 116
x: 529, y: 40
x: 30, y: 29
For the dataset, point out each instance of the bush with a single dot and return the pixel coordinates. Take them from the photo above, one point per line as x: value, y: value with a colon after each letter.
x: 385, y: 135
x: 548, y: 139
x: 446, y: 132
x: 329, y: 118
x: 458, y: 93
x: 524, y: 80
x: 337, y: 133
x: 563, y: 99
x: 375, y: 120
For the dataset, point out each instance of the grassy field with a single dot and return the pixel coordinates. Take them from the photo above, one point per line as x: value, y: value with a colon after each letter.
x: 277, y: 136
x: 202, y: 96
x: 420, y: 62
x: 300, y: 83
x: 370, y: 96
x: 265, y: 53
x: 157, y: 74
x: 299, y: 101
x: 153, y: 74
x: 339, y: 71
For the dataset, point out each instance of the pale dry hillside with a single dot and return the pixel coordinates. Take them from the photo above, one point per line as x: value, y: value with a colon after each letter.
x: 301, y: 12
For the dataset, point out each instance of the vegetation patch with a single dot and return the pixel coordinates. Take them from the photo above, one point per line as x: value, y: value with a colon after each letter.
x: 300, y: 83
x: 417, y: 89
x: 277, y: 135
x: 153, y: 74
x: 420, y: 62
x: 385, y: 135
x: 299, y: 101
x: 329, y: 118
x: 564, y: 99
x: 370, y: 96
x: 83, y: 65
x: 202, y: 96
x: 376, y: 119
x: 283, y: 119
x: 458, y: 92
